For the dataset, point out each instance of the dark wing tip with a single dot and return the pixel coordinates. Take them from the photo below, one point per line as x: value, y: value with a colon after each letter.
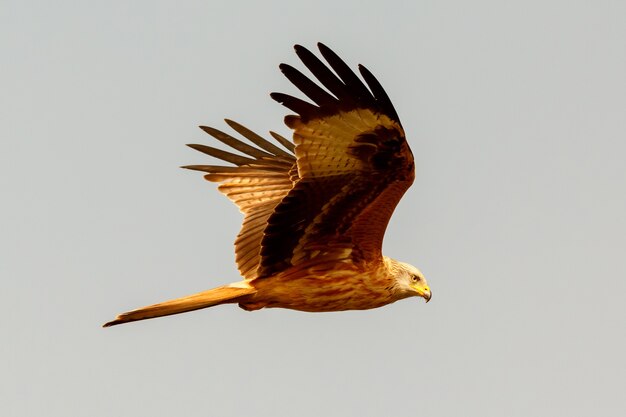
x: 322, y: 46
x: 344, y: 91
x: 303, y: 108
x: 279, y: 97
x: 208, y: 129
x: 380, y: 95
x: 291, y: 121
x: 194, y: 167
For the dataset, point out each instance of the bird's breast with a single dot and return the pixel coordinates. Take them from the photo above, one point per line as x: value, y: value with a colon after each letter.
x: 347, y: 288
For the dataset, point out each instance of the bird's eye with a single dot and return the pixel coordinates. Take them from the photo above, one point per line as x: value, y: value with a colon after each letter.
x: 415, y: 278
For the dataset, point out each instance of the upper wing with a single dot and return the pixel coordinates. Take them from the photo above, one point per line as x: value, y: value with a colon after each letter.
x: 354, y: 165
x: 255, y: 184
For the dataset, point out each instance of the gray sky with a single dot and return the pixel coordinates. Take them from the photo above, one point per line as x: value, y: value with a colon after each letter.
x: 516, y: 113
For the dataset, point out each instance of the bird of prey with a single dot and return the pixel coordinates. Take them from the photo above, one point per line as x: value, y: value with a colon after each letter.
x: 315, y: 211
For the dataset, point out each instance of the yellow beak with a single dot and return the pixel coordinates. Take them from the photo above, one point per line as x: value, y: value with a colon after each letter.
x: 424, y: 293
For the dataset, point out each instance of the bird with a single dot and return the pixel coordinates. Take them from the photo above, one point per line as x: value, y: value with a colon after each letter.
x: 316, y: 207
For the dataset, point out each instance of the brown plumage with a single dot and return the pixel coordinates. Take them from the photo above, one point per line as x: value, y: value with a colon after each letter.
x: 315, y: 210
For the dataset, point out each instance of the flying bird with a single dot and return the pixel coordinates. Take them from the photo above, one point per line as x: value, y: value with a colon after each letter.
x: 315, y: 209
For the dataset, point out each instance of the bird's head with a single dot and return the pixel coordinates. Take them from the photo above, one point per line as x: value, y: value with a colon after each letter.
x: 409, y: 280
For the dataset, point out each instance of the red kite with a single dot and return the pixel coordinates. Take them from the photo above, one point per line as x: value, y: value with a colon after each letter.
x: 316, y: 209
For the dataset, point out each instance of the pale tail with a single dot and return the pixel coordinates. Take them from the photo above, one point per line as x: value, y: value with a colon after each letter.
x: 226, y: 294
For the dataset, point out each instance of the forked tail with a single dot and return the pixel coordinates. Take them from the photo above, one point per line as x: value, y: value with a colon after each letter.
x: 231, y: 293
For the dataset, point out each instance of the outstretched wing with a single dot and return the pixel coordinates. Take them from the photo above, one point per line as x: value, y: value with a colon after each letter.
x: 256, y: 183
x: 354, y: 165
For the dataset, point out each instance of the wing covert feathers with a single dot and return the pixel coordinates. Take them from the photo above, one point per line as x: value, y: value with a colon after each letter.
x: 353, y: 162
x: 330, y: 193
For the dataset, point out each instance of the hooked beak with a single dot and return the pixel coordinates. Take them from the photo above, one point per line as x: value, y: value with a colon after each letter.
x: 425, y: 294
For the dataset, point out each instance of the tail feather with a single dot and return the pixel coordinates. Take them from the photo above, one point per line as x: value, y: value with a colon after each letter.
x: 231, y: 293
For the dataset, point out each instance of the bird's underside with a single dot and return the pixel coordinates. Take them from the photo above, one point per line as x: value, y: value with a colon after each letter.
x: 315, y: 209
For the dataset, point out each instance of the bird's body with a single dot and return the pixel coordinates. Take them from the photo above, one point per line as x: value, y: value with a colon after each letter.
x: 326, y: 286
x: 315, y: 212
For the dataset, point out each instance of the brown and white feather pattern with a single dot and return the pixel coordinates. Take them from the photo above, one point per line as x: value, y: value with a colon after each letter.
x: 354, y: 165
x: 335, y: 198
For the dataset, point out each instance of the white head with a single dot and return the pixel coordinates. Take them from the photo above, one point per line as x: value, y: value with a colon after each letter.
x: 409, y: 280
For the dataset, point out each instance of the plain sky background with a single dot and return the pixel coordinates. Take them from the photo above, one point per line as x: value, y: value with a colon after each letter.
x: 516, y: 113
